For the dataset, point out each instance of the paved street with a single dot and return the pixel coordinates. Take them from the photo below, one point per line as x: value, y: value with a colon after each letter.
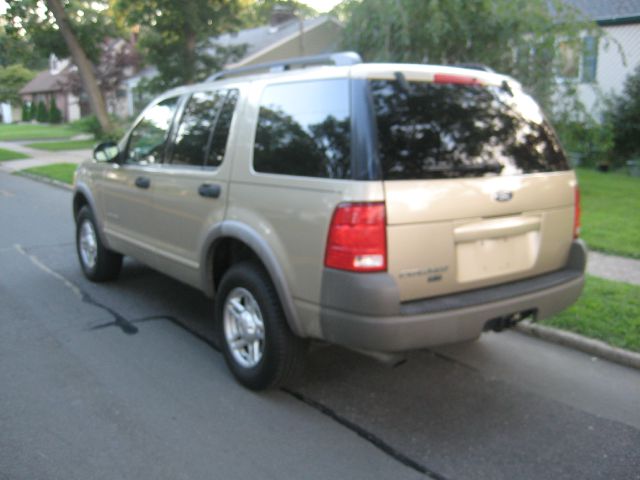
x: 122, y: 381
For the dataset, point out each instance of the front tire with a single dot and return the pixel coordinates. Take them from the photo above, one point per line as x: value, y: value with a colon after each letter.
x: 98, y: 263
x: 258, y: 346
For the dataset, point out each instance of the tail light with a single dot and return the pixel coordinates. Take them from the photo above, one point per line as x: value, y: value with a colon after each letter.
x: 357, y: 239
x: 576, y: 216
x: 455, y: 79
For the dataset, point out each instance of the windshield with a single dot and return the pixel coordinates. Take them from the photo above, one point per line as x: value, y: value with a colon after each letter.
x: 428, y: 130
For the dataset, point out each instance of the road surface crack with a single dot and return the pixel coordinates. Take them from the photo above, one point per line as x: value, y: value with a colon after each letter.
x: 129, y: 327
x: 363, y: 433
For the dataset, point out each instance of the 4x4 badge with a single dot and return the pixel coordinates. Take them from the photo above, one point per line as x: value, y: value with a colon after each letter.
x: 503, y: 196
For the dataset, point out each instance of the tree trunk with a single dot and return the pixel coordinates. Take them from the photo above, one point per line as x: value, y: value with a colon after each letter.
x: 190, y: 55
x: 85, y: 68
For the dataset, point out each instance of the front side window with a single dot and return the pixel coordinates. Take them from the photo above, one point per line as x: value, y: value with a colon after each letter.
x: 147, y: 140
x: 428, y: 130
x: 304, y: 129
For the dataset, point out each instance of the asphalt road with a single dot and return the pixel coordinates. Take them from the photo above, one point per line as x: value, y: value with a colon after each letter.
x: 122, y: 381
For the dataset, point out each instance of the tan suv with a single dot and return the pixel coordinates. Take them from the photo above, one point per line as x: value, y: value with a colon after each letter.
x: 384, y: 207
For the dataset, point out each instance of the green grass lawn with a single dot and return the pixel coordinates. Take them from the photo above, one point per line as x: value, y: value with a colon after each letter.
x: 610, y: 212
x: 65, y: 145
x: 63, y: 172
x: 29, y: 131
x: 607, y: 311
x: 11, y: 155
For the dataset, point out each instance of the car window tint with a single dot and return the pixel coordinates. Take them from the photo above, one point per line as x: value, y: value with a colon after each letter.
x: 221, y: 132
x: 428, y: 130
x: 304, y: 129
x: 194, y: 131
x: 148, y: 138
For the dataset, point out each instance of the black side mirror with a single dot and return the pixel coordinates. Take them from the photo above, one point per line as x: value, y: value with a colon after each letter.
x: 106, y: 152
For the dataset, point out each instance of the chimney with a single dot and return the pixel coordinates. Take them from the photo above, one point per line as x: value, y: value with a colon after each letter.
x: 281, y: 14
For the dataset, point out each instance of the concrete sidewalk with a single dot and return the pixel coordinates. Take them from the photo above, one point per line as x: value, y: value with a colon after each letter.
x: 40, y: 157
x: 612, y: 267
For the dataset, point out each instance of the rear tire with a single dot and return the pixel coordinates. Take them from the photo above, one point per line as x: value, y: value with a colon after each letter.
x: 258, y: 346
x: 98, y: 263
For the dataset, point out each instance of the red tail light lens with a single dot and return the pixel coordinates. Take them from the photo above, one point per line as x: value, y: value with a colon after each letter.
x: 455, y: 79
x: 357, y: 239
x: 576, y: 216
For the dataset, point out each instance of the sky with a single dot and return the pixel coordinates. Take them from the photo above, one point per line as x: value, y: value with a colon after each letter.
x: 321, y: 5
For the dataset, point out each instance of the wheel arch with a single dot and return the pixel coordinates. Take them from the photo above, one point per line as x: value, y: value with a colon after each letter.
x: 231, y: 242
x: 82, y: 197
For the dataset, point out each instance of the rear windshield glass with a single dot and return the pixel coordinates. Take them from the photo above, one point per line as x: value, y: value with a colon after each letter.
x: 429, y: 130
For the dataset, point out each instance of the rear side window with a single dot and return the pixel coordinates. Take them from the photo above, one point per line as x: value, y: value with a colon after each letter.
x: 428, y: 130
x: 220, y: 134
x: 202, y: 133
x: 304, y: 129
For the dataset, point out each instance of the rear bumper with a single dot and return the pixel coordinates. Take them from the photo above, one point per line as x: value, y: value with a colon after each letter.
x: 379, y: 322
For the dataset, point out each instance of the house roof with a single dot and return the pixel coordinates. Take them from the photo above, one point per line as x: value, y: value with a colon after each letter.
x: 46, y: 82
x: 266, y: 37
x: 609, y: 11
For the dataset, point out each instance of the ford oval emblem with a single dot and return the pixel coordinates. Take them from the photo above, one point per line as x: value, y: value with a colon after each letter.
x: 503, y: 196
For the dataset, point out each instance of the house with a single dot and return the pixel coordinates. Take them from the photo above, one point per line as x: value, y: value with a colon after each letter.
x: 286, y: 36
x: 54, y: 83
x: 61, y: 81
x: 605, y: 63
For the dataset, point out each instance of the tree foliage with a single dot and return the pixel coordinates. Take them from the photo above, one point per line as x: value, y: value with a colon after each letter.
x: 625, y: 118
x: 517, y: 37
x: 55, y: 115
x: 73, y: 28
x: 26, y: 112
x: 19, y: 50
x: 12, y: 79
x: 175, y: 36
x: 33, y: 22
x: 42, y: 114
x: 33, y: 110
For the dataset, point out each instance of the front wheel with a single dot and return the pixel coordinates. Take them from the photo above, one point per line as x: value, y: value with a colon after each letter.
x: 98, y: 263
x: 258, y: 346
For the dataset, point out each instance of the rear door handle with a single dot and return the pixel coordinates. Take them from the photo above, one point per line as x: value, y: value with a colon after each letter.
x: 143, y: 182
x: 209, y: 190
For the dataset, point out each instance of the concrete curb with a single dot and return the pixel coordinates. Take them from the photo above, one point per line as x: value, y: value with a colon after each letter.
x: 584, y: 344
x: 48, y: 181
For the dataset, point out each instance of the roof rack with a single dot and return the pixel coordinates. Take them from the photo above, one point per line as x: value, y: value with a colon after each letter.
x: 337, y: 59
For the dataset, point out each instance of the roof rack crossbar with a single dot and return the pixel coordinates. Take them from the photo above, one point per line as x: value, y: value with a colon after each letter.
x: 337, y: 59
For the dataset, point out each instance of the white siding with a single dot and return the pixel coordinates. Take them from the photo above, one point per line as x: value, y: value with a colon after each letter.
x: 5, y: 113
x: 618, y: 55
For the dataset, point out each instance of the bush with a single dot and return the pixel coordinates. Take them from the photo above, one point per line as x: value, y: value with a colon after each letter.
x: 625, y: 118
x: 33, y: 110
x: 55, y: 115
x: 90, y: 124
x: 26, y: 112
x: 42, y: 114
x: 589, y: 142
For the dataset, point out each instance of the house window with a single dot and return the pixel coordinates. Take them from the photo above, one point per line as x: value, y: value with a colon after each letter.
x: 589, y: 59
x: 569, y: 60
